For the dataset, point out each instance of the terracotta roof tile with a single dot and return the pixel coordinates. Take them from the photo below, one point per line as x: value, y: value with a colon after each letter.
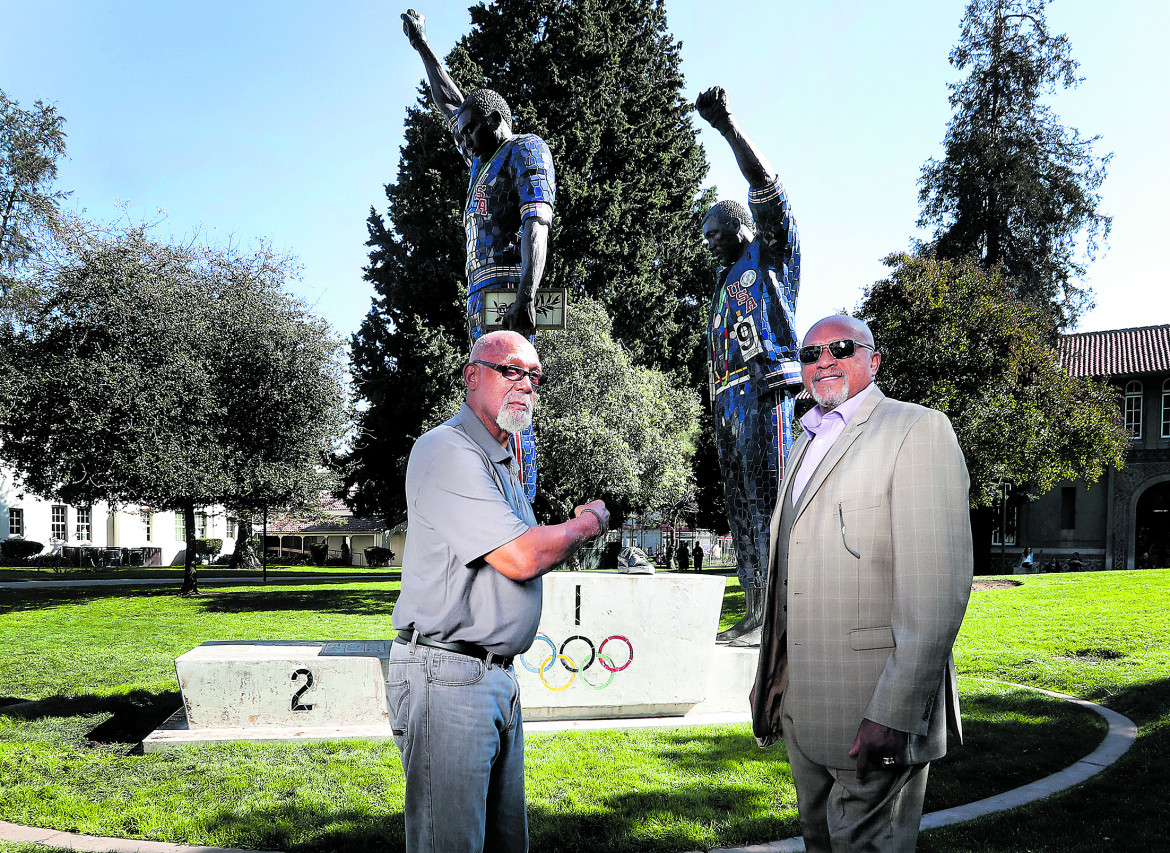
x: 344, y: 524
x: 1116, y: 352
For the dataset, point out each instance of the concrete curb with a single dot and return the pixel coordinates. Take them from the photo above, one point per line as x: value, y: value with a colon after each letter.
x: 1119, y: 738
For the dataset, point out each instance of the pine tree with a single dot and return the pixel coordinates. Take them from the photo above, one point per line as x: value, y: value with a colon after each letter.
x: 1015, y: 186
x: 600, y: 82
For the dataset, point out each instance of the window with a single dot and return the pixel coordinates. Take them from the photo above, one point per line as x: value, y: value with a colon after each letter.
x: 1133, y: 408
x: 232, y: 530
x: 1166, y: 409
x: 1068, y: 508
x: 148, y: 524
x: 60, y: 523
x: 84, y: 524
x: 180, y: 530
x: 1003, y: 529
x: 200, y: 525
x: 15, y: 521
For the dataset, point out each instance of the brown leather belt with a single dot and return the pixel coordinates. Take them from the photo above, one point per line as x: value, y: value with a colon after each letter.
x: 458, y: 646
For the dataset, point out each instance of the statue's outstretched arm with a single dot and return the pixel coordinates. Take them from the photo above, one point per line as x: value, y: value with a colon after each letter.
x: 521, y: 317
x: 712, y: 106
x: 444, y: 92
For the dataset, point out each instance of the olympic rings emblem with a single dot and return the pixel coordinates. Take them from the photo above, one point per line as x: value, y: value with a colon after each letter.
x: 596, y: 655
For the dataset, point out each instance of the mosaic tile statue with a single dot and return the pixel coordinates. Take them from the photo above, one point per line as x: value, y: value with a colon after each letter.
x: 753, y: 372
x: 509, y: 205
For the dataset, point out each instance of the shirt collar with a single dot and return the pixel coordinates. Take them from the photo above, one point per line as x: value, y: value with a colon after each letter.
x: 814, y: 419
x: 474, y: 428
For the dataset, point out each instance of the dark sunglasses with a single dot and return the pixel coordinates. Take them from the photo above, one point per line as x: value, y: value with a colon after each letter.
x: 514, y: 374
x: 837, y: 349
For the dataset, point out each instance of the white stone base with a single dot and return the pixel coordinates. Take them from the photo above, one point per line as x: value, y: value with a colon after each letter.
x: 176, y: 732
x: 620, y: 645
x: 609, y: 646
x: 730, y: 681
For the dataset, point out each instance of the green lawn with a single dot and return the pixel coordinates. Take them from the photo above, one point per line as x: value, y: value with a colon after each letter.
x: 99, y: 665
x: 16, y: 573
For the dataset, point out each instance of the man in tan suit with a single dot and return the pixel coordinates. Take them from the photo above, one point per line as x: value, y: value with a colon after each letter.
x: 870, y: 572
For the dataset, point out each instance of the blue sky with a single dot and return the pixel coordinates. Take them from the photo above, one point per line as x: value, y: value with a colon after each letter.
x: 283, y: 120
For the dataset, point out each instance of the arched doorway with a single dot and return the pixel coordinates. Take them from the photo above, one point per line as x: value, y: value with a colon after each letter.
x: 1152, y: 527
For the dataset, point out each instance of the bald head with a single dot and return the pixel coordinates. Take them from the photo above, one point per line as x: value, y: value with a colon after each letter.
x: 491, y: 346
x: 855, y: 329
x: 833, y: 379
x: 503, y: 405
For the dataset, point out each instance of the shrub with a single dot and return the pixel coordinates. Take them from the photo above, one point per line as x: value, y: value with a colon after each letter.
x: 20, y: 549
x: 208, y: 547
x: 49, y: 561
x: 287, y: 559
x: 319, y: 552
x: 376, y: 556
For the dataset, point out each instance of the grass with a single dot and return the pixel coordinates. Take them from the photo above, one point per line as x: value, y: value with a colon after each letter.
x: 98, y: 664
x: 29, y: 573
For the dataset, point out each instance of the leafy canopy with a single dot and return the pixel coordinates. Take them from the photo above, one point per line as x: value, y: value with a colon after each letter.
x: 31, y: 142
x: 1015, y: 187
x: 955, y: 337
x: 170, y: 376
x: 608, y: 427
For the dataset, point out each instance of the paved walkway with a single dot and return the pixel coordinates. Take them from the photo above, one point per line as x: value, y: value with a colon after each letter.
x: 1119, y: 738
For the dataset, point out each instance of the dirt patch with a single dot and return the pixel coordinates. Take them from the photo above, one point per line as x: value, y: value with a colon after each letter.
x: 980, y: 583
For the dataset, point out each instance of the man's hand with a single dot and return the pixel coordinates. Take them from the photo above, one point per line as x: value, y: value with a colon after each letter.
x: 877, y: 746
x: 595, y: 507
x: 521, y: 316
x: 712, y: 106
x: 413, y: 25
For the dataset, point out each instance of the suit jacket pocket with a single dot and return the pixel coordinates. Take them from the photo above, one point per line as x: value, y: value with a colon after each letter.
x: 861, y: 639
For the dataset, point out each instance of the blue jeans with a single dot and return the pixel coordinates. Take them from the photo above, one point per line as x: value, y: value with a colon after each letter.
x: 457, y: 723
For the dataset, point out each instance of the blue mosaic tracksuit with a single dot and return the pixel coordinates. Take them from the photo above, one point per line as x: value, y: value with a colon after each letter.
x: 506, y: 190
x: 754, y: 375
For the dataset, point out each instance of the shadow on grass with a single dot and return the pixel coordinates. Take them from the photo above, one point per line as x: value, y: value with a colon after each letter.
x: 133, y: 715
x: 217, y: 599
x: 665, y: 820
x: 365, y: 602
x: 43, y: 598
x: 1122, y: 809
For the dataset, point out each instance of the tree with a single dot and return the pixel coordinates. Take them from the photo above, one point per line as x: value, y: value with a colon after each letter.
x: 609, y: 428
x: 1015, y: 187
x: 600, y: 82
x: 169, y: 376
x: 31, y: 142
x: 953, y: 336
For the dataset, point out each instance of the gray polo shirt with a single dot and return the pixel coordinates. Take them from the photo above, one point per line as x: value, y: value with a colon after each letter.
x: 464, y: 500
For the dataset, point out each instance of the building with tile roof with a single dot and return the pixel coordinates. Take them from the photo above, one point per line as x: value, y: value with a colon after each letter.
x: 333, y: 524
x: 1123, y: 520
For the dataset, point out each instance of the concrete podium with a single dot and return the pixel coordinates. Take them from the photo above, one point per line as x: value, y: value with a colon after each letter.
x: 272, y: 690
x: 608, y: 646
x: 620, y: 645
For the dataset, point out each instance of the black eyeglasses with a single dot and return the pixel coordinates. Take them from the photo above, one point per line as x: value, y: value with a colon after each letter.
x: 837, y: 349
x: 513, y: 373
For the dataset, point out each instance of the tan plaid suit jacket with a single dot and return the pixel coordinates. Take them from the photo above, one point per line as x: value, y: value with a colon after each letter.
x: 869, y: 578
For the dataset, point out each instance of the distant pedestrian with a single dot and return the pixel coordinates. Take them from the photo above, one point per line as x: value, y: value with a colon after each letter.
x: 684, y: 557
x: 698, y: 555
x: 1026, y: 562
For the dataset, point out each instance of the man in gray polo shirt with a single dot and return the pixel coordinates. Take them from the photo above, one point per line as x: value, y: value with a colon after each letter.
x: 470, y: 602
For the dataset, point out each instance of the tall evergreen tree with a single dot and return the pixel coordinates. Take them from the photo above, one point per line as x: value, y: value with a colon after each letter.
x: 1015, y: 186
x: 600, y: 82
x: 31, y: 143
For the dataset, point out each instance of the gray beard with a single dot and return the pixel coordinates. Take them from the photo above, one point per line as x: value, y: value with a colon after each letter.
x: 828, y: 402
x: 511, y: 421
